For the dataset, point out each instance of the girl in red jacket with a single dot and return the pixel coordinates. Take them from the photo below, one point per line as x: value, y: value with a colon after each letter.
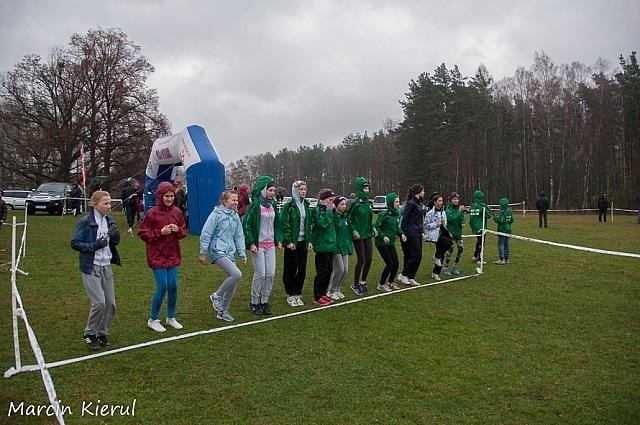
x: 161, y: 229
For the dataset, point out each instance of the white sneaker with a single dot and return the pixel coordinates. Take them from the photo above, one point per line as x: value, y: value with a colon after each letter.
x: 498, y: 262
x: 393, y: 286
x: 171, y: 321
x: 292, y: 301
x: 403, y: 279
x: 339, y: 294
x: 334, y: 296
x: 383, y: 288
x: 435, y: 276
x: 156, y: 325
x: 299, y: 300
x: 413, y: 282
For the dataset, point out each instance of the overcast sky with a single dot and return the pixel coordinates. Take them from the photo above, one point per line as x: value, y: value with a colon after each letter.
x: 263, y: 75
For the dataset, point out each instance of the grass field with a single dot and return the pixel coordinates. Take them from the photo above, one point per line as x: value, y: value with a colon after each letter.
x: 553, y: 337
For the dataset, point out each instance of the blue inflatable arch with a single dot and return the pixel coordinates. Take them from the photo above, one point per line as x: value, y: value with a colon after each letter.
x: 204, y: 172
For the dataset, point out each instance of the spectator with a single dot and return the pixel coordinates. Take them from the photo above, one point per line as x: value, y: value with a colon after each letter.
x: 542, y: 205
x: 129, y: 204
x: 3, y: 209
x: 77, y: 196
x: 181, y: 201
x: 603, y: 204
x: 243, y: 200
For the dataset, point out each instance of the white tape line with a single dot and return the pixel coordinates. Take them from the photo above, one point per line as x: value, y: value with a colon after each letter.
x: 620, y: 209
x: 44, y: 372
x: 239, y: 325
x: 581, y: 248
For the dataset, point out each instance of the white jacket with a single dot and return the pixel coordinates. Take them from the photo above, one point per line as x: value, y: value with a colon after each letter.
x: 431, y: 220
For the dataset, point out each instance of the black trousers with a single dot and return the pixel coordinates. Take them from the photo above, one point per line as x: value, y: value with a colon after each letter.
x: 542, y: 215
x: 412, y: 250
x: 131, y: 214
x: 476, y: 252
x: 295, y: 268
x: 442, y: 246
x: 391, y: 263
x: 602, y: 216
x: 324, y: 267
x: 364, y: 254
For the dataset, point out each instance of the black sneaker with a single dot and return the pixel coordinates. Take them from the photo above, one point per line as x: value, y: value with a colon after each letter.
x: 266, y: 309
x: 103, y: 341
x: 255, y: 308
x: 91, y: 341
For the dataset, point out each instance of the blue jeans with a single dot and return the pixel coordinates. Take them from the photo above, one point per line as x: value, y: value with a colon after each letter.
x: 503, y: 247
x: 166, y: 282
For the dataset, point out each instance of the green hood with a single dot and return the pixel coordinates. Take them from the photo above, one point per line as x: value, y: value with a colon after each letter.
x: 358, y: 185
x: 391, y: 198
x: 261, y: 183
x: 504, y: 203
x: 478, y: 197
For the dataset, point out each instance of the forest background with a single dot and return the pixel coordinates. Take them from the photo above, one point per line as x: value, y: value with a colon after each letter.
x: 571, y: 130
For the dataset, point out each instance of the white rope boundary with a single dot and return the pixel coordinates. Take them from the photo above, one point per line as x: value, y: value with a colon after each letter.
x: 239, y: 325
x: 563, y: 245
x: 19, y: 311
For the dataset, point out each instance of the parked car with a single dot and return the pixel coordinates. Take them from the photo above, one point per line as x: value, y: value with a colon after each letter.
x: 15, y: 199
x: 379, y: 204
x: 313, y: 202
x: 49, y: 197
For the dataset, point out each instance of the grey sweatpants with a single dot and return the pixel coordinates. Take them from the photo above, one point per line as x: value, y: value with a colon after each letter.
x: 102, y: 297
x: 340, y: 272
x: 264, y: 272
x: 227, y: 289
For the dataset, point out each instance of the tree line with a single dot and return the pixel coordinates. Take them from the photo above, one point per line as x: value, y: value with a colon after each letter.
x: 569, y: 130
x: 90, y: 93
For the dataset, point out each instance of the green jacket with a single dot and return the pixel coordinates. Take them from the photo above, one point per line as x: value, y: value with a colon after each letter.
x: 476, y: 220
x: 323, y: 231
x: 344, y: 240
x: 290, y: 222
x: 359, y: 212
x: 505, y: 217
x: 251, y: 220
x: 388, y: 223
x: 455, y: 220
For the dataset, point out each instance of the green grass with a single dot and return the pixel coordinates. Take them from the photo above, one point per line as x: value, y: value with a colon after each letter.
x: 553, y: 337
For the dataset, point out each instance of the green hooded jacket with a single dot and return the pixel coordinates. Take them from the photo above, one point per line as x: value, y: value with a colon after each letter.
x: 251, y: 220
x: 343, y: 234
x: 359, y: 212
x: 505, y: 217
x: 475, y: 213
x: 323, y: 230
x: 290, y: 222
x: 388, y: 223
x: 455, y: 220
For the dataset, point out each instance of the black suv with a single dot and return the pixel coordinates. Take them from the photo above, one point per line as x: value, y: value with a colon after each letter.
x: 49, y: 197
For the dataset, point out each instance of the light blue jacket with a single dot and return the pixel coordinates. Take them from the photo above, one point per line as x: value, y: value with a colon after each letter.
x: 222, y: 235
x: 431, y: 229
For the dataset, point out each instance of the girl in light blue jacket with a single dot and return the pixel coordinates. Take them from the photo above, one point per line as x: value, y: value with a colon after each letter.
x: 221, y: 238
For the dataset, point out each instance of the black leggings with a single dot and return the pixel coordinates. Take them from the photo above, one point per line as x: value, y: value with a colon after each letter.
x: 442, y: 246
x: 391, y: 264
x: 364, y: 253
x: 412, y: 250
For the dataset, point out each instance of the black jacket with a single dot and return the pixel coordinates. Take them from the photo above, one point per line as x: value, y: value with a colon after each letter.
x: 603, y: 203
x: 542, y: 204
x: 412, y: 218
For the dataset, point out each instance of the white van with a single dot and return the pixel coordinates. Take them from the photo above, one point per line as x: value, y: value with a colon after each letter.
x: 15, y: 199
